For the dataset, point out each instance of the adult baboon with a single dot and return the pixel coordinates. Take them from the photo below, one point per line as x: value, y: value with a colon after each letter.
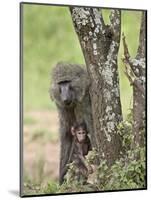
x: 70, y: 91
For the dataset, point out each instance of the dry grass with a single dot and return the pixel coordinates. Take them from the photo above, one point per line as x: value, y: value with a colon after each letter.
x: 41, y: 149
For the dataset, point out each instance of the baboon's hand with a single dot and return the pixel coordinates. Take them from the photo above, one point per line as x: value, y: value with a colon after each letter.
x: 90, y: 170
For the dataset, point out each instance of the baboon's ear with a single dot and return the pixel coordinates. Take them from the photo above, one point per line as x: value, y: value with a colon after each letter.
x: 72, y: 131
x: 51, y: 92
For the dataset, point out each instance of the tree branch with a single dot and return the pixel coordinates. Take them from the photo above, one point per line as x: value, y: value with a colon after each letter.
x: 142, y: 39
x: 88, y: 17
x: 132, y: 78
x: 136, y: 65
x: 91, y: 29
x: 126, y: 51
x: 98, y: 17
x: 114, y: 29
x: 135, y: 71
x: 115, y: 19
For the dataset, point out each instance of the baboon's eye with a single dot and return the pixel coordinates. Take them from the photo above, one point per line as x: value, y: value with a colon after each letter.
x: 81, y: 133
x: 70, y: 87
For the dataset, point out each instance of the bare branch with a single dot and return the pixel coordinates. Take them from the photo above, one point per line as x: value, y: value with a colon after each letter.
x: 132, y: 78
x: 136, y: 65
x: 142, y: 38
x: 129, y: 72
x: 126, y: 51
x: 132, y: 67
x: 135, y: 71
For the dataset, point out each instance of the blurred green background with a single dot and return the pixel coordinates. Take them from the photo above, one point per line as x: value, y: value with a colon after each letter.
x: 49, y: 37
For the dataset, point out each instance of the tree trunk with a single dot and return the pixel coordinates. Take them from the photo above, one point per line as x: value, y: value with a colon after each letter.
x: 136, y: 72
x: 100, y: 45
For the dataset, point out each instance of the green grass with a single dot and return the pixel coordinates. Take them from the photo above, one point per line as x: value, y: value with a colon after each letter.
x: 49, y: 37
x: 51, y: 187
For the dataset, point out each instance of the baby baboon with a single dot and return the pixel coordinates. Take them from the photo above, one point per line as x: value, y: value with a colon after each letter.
x: 70, y: 91
x: 81, y: 147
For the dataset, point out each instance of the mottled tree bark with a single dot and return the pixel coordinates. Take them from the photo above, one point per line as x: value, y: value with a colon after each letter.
x: 136, y: 73
x: 100, y: 45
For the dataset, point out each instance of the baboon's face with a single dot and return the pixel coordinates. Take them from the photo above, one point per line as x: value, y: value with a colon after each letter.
x: 67, y: 94
x: 80, y: 134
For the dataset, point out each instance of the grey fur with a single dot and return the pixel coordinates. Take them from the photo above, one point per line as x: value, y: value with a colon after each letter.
x: 79, y: 109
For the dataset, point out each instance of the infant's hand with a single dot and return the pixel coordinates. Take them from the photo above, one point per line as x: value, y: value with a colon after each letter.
x: 90, y: 170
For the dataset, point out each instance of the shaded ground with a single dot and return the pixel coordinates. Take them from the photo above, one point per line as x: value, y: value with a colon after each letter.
x: 41, y: 148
